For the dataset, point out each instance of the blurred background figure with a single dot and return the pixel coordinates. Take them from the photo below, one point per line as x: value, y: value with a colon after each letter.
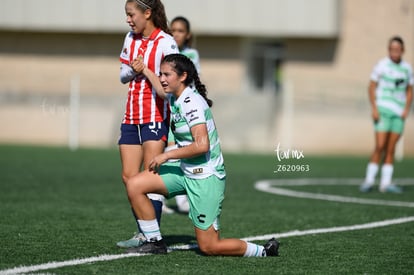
x: 390, y: 94
x: 318, y: 68
x: 181, y: 31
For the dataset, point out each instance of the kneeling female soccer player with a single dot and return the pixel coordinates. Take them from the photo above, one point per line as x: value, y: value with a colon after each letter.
x: 201, y: 175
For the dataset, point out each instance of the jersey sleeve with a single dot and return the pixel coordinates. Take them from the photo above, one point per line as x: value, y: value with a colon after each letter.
x: 124, y: 56
x: 126, y: 73
x: 376, y: 72
x: 193, y: 111
x: 169, y: 46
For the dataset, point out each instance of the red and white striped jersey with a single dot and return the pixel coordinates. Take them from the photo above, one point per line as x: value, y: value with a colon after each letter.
x: 143, y: 104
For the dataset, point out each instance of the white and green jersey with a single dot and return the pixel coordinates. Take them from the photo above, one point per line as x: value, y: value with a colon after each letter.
x: 188, y: 110
x: 193, y: 55
x: 392, y: 81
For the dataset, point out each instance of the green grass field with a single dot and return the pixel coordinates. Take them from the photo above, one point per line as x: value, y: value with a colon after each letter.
x: 57, y: 205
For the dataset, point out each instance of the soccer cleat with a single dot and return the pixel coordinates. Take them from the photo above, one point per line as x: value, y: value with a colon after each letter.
x: 135, y: 241
x: 149, y: 247
x: 391, y: 188
x: 365, y: 187
x: 271, y: 248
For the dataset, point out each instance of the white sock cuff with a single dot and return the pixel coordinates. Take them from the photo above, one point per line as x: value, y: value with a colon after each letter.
x: 156, y: 197
x: 150, y: 229
x: 387, y: 166
x: 373, y: 165
x: 253, y: 250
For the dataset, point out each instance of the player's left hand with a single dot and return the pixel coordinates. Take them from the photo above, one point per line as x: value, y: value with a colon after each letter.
x: 138, y: 64
x: 156, y: 162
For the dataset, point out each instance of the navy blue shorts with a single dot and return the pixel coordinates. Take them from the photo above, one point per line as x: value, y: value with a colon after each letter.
x: 138, y: 134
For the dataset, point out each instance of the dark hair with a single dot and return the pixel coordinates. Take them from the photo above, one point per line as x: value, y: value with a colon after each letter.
x: 396, y: 39
x: 158, y: 15
x: 182, y: 64
x: 187, y: 26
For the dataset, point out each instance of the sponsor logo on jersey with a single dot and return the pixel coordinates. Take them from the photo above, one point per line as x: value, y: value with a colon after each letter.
x: 398, y: 82
x: 193, y: 118
x: 197, y: 170
x: 191, y: 112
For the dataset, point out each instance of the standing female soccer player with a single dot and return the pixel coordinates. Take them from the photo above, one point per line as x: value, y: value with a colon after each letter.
x: 143, y: 129
x: 201, y: 174
x: 390, y: 95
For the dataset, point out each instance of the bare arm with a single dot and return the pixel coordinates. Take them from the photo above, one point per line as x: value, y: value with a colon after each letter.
x: 371, y: 93
x: 200, y: 145
x: 408, y: 102
x: 139, y: 67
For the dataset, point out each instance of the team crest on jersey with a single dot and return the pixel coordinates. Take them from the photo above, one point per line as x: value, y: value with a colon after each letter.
x: 125, y: 51
x: 176, y: 117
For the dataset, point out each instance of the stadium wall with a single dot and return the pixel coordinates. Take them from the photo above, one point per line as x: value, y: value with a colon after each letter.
x: 321, y: 109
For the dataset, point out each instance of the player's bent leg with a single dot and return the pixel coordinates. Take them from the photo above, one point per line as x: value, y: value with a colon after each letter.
x: 138, y: 187
x: 210, y: 243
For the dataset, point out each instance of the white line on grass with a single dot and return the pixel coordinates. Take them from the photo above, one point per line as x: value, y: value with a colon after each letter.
x: 54, y: 265
x: 269, y: 187
x: 296, y: 233
x: 266, y: 186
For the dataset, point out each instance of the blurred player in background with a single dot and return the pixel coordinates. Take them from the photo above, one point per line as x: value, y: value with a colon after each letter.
x: 390, y: 95
x: 144, y: 128
x: 201, y: 174
x: 181, y: 31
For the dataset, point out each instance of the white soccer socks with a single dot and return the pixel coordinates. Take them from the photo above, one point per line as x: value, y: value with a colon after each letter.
x: 386, y: 185
x: 371, y: 173
x: 150, y: 229
x: 386, y: 175
x: 253, y: 250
